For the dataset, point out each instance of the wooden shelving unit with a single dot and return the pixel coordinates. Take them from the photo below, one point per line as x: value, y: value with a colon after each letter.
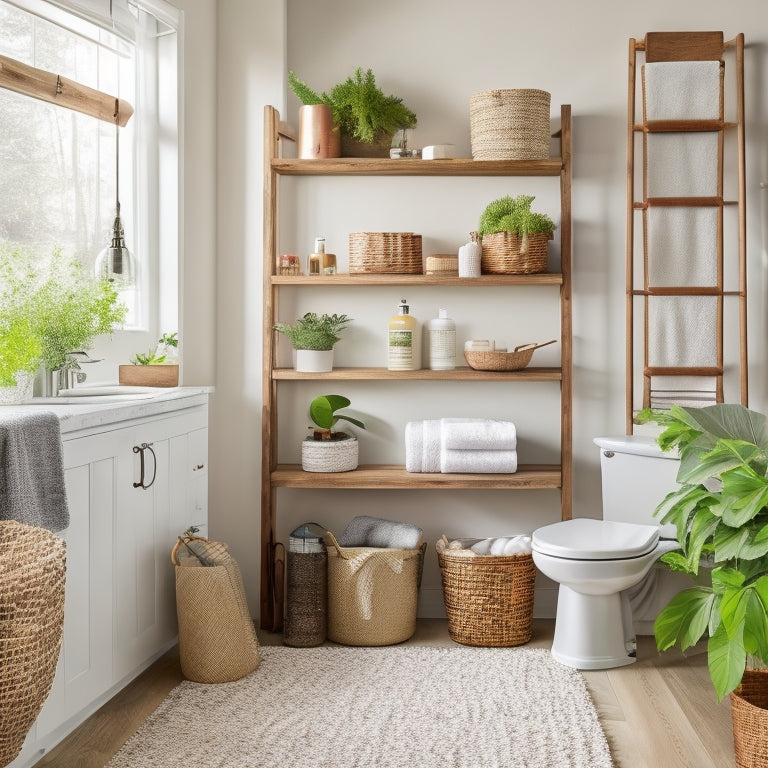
x: 375, y: 477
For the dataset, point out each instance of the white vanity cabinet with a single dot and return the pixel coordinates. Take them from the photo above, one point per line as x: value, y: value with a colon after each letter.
x: 120, y: 607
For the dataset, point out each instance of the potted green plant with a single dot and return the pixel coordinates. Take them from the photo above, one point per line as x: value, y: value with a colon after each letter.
x: 158, y: 367
x: 313, y: 337
x: 366, y: 116
x: 514, y: 238
x: 20, y: 351
x: 327, y: 450
x: 720, y: 510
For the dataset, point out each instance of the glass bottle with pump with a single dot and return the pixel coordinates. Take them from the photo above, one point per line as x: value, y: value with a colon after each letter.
x: 403, y: 341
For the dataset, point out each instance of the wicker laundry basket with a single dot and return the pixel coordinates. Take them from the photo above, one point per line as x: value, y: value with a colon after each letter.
x: 217, y: 639
x: 32, y: 579
x: 372, y: 593
x: 510, y: 124
x: 749, y: 712
x: 488, y: 600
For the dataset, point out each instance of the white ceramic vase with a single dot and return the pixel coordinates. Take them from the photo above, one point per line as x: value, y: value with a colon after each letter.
x: 314, y: 360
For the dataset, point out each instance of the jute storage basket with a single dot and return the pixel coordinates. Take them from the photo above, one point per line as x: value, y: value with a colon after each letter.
x: 510, y: 124
x: 340, y: 455
x: 488, y: 600
x: 505, y: 253
x: 749, y: 713
x: 385, y: 252
x: 32, y: 578
x: 217, y: 639
x: 443, y: 264
x: 372, y: 594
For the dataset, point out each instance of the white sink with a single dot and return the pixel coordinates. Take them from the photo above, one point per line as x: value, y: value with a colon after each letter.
x: 109, y: 394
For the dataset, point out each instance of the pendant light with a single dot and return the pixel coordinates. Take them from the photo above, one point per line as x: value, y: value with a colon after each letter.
x: 116, y: 263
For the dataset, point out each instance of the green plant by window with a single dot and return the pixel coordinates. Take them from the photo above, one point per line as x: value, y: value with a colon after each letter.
x: 318, y: 332
x: 510, y: 214
x: 360, y: 108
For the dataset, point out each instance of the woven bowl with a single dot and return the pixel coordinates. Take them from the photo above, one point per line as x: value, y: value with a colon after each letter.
x: 503, y: 361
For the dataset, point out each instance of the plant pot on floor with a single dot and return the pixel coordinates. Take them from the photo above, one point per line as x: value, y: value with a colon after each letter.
x: 339, y: 454
x: 314, y: 360
x: 749, y: 712
x: 149, y: 375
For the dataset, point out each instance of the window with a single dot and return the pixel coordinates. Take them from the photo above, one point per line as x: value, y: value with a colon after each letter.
x: 57, y: 166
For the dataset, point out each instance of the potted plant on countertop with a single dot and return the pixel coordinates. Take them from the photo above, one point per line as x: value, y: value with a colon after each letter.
x: 327, y: 450
x: 313, y: 337
x: 721, y: 510
x: 513, y: 237
x: 158, y: 367
x: 367, y: 118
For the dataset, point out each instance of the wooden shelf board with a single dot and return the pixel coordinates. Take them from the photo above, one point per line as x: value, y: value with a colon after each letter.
x: 543, y: 278
x: 461, y: 373
x: 389, y: 476
x: 359, y: 166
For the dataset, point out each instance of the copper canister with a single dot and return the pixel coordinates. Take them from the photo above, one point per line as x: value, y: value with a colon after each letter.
x: 318, y: 135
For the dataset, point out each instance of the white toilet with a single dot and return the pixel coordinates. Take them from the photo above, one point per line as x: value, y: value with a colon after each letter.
x: 600, y: 564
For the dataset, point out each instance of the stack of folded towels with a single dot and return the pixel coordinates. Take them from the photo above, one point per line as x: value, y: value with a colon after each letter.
x: 461, y: 446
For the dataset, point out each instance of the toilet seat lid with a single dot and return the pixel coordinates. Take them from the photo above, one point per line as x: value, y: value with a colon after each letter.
x: 586, y: 539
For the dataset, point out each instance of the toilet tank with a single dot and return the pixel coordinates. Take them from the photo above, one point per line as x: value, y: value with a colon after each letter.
x: 636, y: 476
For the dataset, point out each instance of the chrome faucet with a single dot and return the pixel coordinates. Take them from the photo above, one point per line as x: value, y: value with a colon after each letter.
x: 75, y: 375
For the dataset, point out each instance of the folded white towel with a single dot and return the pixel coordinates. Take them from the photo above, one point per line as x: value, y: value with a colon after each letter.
x: 682, y: 164
x: 414, y: 445
x: 365, y: 531
x: 478, y: 434
x: 430, y: 454
x: 478, y: 462
x: 682, y: 331
x: 681, y: 90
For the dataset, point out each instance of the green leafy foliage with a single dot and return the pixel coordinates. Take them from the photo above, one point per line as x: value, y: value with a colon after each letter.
x: 513, y: 214
x: 162, y: 353
x: 721, y: 507
x: 360, y: 108
x: 323, y: 411
x: 313, y: 331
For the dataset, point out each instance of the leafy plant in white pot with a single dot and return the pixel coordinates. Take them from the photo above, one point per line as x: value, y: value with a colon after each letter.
x: 721, y: 510
x: 327, y: 450
x: 313, y: 337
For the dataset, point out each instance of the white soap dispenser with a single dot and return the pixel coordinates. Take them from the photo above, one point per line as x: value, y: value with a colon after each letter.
x: 441, y: 342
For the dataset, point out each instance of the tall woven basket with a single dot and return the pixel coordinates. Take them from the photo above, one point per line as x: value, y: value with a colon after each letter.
x: 488, y: 600
x: 749, y: 712
x: 32, y: 579
x: 510, y: 124
x: 505, y: 253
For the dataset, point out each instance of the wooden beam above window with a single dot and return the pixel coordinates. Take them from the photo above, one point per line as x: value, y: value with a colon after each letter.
x: 56, y: 89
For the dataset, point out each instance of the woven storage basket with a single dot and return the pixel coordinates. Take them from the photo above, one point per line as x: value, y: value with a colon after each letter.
x: 749, y: 713
x: 503, y: 361
x: 445, y: 264
x: 330, y: 455
x: 505, y: 253
x: 217, y: 639
x: 32, y: 578
x: 510, y: 124
x: 385, y: 252
x: 488, y: 600
x: 306, y: 610
x: 372, y: 594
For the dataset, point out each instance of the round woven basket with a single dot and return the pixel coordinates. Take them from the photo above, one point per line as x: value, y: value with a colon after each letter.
x: 445, y: 264
x: 505, y: 253
x: 488, y: 600
x: 306, y: 608
x: 383, y: 252
x: 510, y: 124
x: 749, y: 713
x: 330, y: 455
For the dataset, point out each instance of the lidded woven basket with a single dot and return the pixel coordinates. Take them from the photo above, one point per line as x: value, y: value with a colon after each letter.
x: 385, y: 252
x: 510, y: 124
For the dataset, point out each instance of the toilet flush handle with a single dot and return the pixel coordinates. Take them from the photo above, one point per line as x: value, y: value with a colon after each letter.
x: 608, y: 454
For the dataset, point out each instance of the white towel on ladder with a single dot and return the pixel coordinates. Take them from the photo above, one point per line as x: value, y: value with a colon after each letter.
x: 681, y: 90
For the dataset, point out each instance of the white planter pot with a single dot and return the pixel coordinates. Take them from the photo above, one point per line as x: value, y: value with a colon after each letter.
x: 314, y: 361
x: 330, y: 455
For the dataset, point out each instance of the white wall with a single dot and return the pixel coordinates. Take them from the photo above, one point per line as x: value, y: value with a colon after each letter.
x: 435, y: 54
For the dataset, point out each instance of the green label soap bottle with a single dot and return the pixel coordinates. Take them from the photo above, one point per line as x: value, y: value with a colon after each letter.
x: 403, y: 341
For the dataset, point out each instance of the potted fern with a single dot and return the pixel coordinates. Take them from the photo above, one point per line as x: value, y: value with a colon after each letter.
x: 721, y: 510
x: 514, y: 238
x: 313, y: 337
x: 367, y: 118
x: 327, y: 450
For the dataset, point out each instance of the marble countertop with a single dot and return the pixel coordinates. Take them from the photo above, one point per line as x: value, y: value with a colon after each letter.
x: 94, y: 412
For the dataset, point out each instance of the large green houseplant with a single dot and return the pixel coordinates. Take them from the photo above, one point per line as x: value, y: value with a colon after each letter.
x: 360, y: 108
x: 720, y: 509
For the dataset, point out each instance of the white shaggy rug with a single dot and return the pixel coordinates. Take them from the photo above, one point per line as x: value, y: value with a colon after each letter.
x: 394, y: 707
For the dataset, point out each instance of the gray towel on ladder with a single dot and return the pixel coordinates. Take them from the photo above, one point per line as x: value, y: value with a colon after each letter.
x: 31, y: 470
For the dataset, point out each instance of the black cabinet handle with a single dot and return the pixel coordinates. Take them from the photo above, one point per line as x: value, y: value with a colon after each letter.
x: 140, y: 450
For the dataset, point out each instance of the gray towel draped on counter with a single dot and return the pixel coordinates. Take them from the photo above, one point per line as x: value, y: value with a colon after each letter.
x: 31, y: 470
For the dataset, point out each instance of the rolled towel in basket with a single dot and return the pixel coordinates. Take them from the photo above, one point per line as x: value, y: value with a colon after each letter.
x: 365, y: 531
x: 478, y: 434
x: 478, y: 462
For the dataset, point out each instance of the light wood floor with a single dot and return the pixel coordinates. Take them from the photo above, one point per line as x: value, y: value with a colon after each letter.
x: 660, y: 712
